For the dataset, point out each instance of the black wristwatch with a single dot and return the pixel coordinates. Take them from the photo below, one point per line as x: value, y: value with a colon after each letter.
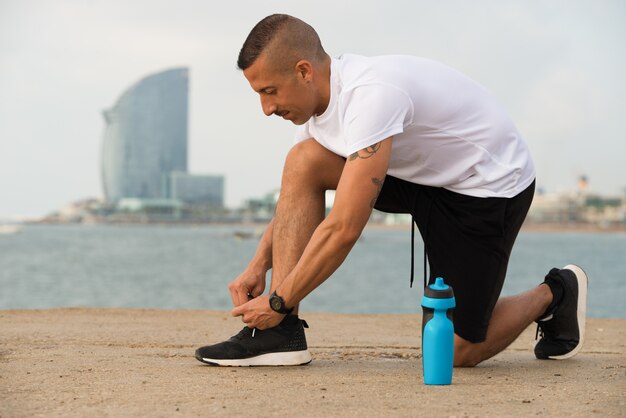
x: 278, y: 304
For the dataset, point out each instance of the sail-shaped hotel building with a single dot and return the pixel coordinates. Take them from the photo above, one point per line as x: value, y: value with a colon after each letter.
x: 145, y: 137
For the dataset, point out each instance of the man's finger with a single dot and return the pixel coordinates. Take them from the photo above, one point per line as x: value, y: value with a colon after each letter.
x: 238, y: 310
x: 239, y: 296
x: 234, y: 295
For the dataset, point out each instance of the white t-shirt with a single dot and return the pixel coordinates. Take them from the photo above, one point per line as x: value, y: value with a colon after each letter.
x: 448, y: 131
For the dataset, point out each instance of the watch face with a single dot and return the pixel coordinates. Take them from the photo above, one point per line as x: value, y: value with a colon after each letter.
x: 276, y: 303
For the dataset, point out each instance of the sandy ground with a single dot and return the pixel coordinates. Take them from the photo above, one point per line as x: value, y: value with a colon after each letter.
x: 124, y: 362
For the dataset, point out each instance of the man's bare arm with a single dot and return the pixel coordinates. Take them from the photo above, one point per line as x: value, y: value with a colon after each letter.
x: 358, y: 189
x: 365, y: 152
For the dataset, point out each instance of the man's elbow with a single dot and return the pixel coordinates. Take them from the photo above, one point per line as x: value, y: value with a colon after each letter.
x: 347, y: 232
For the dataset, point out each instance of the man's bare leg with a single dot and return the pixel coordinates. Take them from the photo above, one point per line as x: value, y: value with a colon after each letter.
x: 309, y: 171
x: 511, y: 316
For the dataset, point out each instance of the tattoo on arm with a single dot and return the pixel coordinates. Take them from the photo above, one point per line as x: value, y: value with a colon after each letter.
x: 365, y: 152
x: 368, y: 153
x: 379, y: 185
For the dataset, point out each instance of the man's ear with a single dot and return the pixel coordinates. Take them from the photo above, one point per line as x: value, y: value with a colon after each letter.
x: 304, y: 70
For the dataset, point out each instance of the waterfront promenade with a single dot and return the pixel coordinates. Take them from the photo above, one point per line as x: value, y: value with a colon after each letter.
x: 135, y: 362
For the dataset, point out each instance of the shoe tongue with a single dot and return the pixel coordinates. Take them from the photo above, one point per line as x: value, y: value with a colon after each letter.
x: 245, y: 332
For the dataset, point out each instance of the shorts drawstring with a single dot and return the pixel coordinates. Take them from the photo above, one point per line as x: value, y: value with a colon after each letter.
x: 425, y: 236
x: 412, y: 250
x: 425, y: 266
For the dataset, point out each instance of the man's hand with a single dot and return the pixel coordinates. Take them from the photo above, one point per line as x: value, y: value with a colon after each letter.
x: 258, y: 314
x: 249, y: 284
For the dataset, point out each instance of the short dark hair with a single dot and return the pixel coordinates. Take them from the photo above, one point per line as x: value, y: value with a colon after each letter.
x: 297, y: 36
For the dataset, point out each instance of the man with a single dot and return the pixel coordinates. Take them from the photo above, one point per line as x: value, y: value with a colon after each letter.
x: 400, y: 134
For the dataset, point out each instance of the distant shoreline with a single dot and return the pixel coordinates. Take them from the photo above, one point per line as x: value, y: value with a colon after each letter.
x: 527, y: 227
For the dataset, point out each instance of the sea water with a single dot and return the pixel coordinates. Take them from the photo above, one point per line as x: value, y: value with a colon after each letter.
x: 189, y: 267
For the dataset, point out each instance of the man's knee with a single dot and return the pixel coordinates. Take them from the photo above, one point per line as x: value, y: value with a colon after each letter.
x: 309, y: 162
x: 466, y: 353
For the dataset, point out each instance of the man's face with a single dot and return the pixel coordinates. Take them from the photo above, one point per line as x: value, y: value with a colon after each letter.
x: 290, y: 95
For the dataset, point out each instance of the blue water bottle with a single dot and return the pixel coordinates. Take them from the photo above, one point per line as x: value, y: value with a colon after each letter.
x: 438, y: 333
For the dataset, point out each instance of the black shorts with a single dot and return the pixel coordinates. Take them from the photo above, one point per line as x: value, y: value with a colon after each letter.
x: 468, y: 241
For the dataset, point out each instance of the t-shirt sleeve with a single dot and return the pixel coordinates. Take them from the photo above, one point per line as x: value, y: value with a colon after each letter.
x: 374, y: 113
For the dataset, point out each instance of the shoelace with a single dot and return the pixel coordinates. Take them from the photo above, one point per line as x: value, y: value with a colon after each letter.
x: 539, y: 332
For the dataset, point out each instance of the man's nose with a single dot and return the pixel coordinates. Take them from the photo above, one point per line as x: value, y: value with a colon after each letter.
x: 269, y: 107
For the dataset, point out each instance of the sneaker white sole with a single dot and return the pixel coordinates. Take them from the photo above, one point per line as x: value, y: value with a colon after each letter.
x: 288, y: 358
x: 581, y: 310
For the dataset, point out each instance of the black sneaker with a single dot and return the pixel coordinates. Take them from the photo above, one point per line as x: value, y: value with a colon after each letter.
x: 283, y: 345
x: 563, y: 329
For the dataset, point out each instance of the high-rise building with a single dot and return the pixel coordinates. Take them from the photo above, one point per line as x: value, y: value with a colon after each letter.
x: 145, y: 137
x: 194, y: 189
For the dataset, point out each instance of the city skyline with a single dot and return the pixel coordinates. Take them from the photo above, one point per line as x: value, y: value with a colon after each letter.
x: 556, y: 67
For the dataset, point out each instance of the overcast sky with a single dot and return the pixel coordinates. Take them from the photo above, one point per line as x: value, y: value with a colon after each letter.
x: 558, y: 66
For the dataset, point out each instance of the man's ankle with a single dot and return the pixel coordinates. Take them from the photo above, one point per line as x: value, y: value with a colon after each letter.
x: 548, y: 298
